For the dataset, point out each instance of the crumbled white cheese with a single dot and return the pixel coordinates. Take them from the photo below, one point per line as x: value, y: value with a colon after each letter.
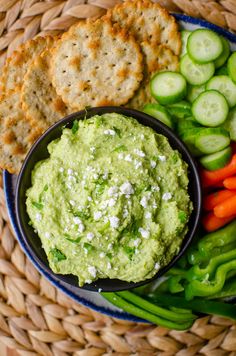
x: 109, y: 247
x: 114, y: 221
x: 72, y: 178
x: 47, y: 235
x: 92, y: 270
x: 112, y: 191
x: 89, y: 199
x: 125, y: 213
x: 128, y: 158
x: 108, y: 265
x: 102, y: 255
x: 61, y: 169
x: 162, y: 158
x: 136, y: 242
x: 139, y: 152
x: 109, y: 132
x: 95, y: 176
x: 90, y: 236
x: 105, y: 175
x: 144, y: 202
x: 92, y: 149
x: 121, y: 156
x: 137, y: 164
x: 81, y: 227
x: 97, y: 215
x: 157, y: 266
x: 72, y: 202
x: 155, y: 188
x: 153, y: 164
x: 148, y: 215
x: 77, y: 220
x: 88, y: 281
x: 111, y: 202
x: 38, y: 216
x: 142, y: 136
x: 126, y: 188
x: 166, y: 196
x: 144, y: 233
x: 70, y: 171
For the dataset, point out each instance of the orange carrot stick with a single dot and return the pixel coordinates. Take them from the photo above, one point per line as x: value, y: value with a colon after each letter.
x: 211, y: 178
x: 213, y: 199
x: 230, y: 182
x: 226, y: 208
x: 211, y: 222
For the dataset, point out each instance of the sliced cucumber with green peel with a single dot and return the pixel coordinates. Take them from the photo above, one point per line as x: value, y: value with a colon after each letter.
x: 230, y: 124
x: 222, y: 71
x: 217, y: 160
x: 189, y: 139
x: 231, y: 65
x: 194, y: 91
x: 180, y: 110
x: 196, y: 74
x: 159, y: 112
x: 210, y: 108
x: 212, y: 140
x: 225, y: 86
x: 204, y: 46
x: 184, y: 38
x: 224, y: 55
x: 183, y: 125
x: 168, y: 87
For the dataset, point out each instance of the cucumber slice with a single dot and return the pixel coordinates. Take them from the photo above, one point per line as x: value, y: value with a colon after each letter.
x: 225, y: 54
x: 159, y: 112
x: 230, y: 124
x: 204, y: 46
x: 225, y: 86
x: 168, y: 87
x: 231, y: 65
x: 189, y: 138
x: 217, y: 160
x: 184, y: 38
x: 196, y: 74
x: 180, y: 110
x: 212, y: 140
x: 183, y: 125
x: 194, y: 91
x: 210, y: 108
x: 222, y: 71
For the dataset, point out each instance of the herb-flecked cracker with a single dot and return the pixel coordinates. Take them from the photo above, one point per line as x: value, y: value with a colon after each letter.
x: 16, y: 133
x: 17, y: 65
x: 95, y: 64
x: 40, y: 102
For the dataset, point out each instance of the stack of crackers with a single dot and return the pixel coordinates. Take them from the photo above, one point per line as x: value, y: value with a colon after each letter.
x: 108, y: 61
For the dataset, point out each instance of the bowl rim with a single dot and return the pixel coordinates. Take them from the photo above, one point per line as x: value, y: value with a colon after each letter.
x: 153, y: 123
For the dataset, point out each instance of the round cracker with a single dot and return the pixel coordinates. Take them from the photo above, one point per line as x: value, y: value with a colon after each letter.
x: 161, y: 58
x: 94, y: 64
x: 42, y: 105
x: 17, y: 65
x: 16, y: 133
x: 147, y: 21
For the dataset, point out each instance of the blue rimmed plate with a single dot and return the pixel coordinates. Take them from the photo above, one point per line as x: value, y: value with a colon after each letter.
x: 91, y: 299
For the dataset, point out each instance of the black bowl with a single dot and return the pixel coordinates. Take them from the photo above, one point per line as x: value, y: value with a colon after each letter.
x: 39, y: 152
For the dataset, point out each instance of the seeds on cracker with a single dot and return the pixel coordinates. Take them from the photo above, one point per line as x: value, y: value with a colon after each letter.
x: 147, y: 21
x: 17, y: 65
x: 40, y: 102
x: 16, y: 133
x: 93, y: 64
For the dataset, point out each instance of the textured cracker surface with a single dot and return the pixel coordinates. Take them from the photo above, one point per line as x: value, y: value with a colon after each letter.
x: 17, y: 65
x: 40, y: 102
x: 94, y: 64
x: 147, y: 21
x: 16, y: 133
x: 160, y: 59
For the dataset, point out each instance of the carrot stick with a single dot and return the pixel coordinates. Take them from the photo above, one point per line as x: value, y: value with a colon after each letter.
x: 226, y: 208
x: 213, y: 199
x: 230, y: 182
x: 211, y: 222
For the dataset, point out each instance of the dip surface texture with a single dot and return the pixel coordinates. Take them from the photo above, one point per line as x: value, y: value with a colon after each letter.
x: 111, y: 201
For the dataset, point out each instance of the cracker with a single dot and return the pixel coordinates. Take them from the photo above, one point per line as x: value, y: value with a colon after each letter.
x: 17, y: 65
x: 161, y: 58
x: 42, y: 105
x: 147, y: 21
x: 95, y: 64
x: 16, y: 133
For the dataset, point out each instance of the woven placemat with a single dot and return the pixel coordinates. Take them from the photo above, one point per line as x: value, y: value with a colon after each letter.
x: 36, y: 318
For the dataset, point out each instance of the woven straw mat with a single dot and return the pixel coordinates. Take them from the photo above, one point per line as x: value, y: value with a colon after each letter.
x: 36, y: 318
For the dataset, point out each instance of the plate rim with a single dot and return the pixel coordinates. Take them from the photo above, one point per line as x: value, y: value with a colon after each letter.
x: 10, y: 202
